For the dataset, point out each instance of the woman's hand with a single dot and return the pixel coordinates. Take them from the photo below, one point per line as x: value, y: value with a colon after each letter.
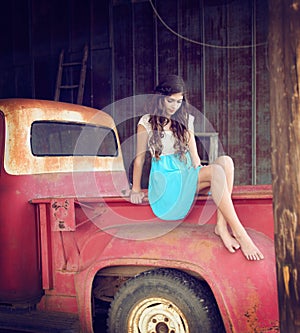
x: 196, y: 162
x: 136, y: 197
x: 196, y: 165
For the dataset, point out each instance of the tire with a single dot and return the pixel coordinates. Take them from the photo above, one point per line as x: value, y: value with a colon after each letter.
x: 164, y: 301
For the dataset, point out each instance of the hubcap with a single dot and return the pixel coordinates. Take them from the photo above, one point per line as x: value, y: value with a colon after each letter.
x: 157, y: 315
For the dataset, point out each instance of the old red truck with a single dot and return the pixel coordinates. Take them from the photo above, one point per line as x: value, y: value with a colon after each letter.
x: 71, y: 242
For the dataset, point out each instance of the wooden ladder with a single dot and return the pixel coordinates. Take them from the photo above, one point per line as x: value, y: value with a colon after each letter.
x: 71, y: 65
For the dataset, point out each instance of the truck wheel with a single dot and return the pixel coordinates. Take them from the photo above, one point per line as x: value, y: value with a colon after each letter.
x: 164, y: 301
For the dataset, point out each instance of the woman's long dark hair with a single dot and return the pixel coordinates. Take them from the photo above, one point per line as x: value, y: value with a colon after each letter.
x: 172, y: 84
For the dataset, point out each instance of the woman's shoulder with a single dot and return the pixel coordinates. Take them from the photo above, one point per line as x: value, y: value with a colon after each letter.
x: 145, y: 117
x: 144, y: 121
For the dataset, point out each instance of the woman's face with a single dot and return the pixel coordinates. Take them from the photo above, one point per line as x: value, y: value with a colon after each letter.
x: 172, y: 104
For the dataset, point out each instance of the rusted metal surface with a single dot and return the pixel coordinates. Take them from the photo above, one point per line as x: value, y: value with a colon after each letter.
x: 152, y: 319
x: 124, y: 235
x: 22, y: 113
x: 62, y: 218
x: 18, y: 231
x: 24, y: 176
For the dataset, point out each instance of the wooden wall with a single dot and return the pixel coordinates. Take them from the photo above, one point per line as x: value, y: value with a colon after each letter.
x: 132, y: 44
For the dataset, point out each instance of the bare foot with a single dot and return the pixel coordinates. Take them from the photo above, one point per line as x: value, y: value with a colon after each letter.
x: 230, y: 242
x: 249, y: 249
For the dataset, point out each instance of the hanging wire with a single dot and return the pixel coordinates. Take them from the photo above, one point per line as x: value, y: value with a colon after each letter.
x: 201, y: 43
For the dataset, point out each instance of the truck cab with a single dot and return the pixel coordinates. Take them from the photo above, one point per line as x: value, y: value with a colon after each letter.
x: 72, y: 242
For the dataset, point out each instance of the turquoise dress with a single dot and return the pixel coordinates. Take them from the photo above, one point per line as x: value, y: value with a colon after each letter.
x: 172, y: 182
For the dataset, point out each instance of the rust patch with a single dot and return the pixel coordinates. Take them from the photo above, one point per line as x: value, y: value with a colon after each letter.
x: 20, y: 114
x: 252, y: 321
x: 62, y: 215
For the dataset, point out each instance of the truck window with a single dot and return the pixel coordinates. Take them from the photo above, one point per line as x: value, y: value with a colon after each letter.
x: 50, y: 138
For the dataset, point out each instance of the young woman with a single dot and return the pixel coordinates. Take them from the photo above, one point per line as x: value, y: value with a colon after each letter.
x: 176, y: 172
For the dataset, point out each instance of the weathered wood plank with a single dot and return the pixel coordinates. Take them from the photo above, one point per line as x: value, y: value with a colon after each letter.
x: 240, y: 89
x: 167, y: 42
x: 216, y: 72
x: 143, y: 49
x: 122, y: 47
x: 284, y: 41
x: 263, y: 135
x: 191, y: 55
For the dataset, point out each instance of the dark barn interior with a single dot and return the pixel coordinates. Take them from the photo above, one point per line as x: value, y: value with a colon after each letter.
x: 218, y: 46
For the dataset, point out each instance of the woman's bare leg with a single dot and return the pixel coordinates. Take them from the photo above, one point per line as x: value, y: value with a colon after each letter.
x: 221, y: 227
x: 215, y: 175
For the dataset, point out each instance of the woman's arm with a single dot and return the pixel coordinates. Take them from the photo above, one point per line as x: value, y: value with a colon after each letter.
x: 136, y: 195
x: 196, y: 161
